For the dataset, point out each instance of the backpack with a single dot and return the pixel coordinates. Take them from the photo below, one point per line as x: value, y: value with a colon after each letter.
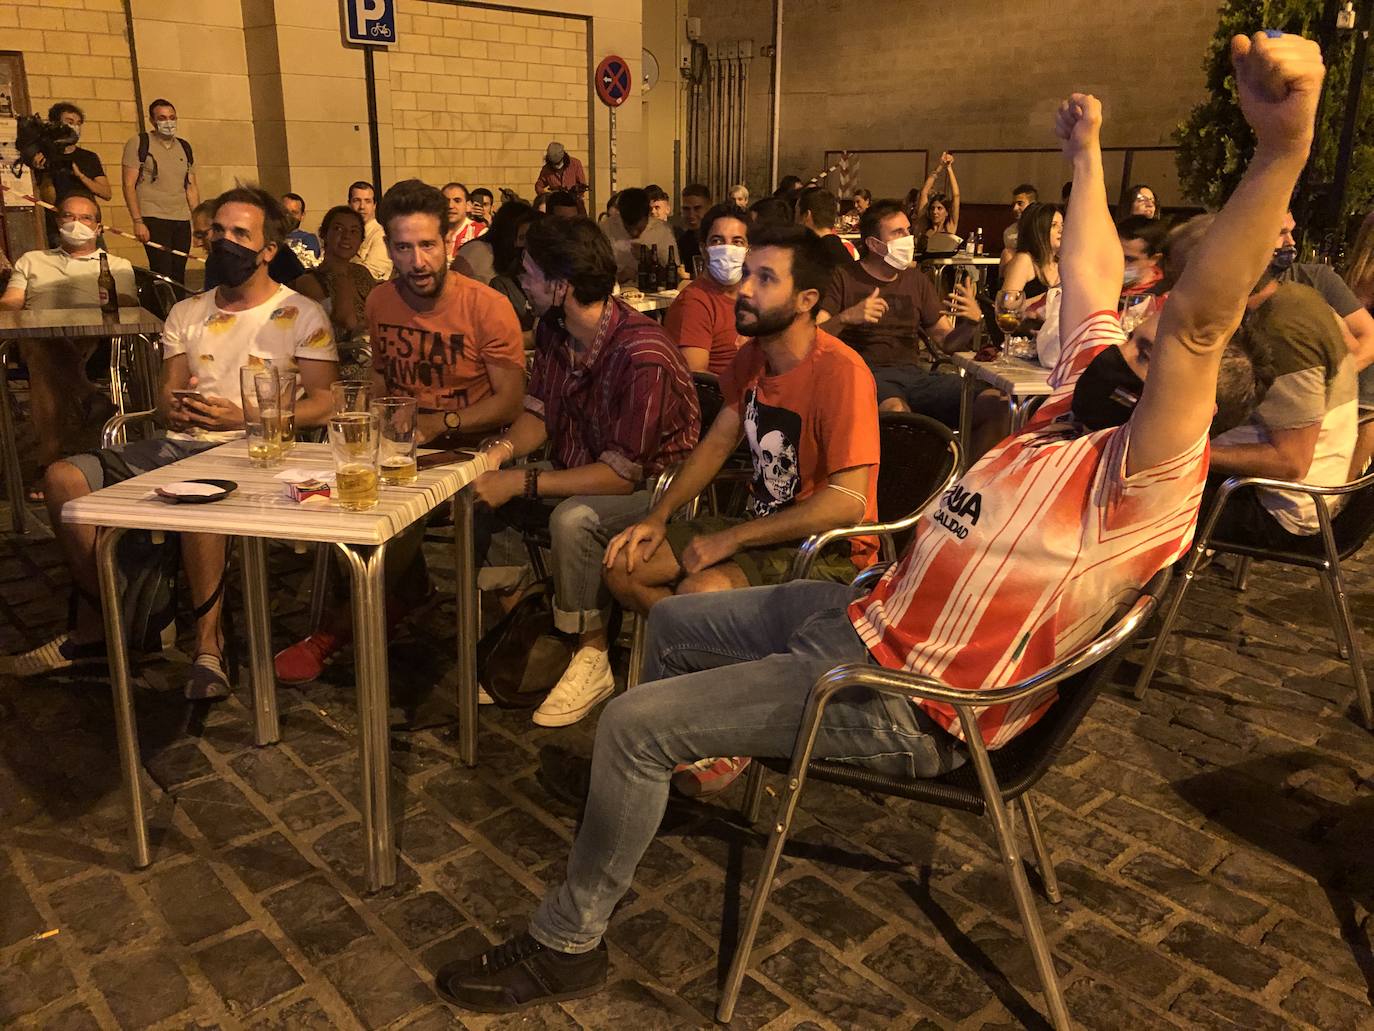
x: 144, y: 145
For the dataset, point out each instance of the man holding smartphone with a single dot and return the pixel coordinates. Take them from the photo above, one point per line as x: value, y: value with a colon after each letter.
x: 206, y: 340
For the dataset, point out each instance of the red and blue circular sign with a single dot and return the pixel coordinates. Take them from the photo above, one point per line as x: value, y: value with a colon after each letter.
x: 613, y: 81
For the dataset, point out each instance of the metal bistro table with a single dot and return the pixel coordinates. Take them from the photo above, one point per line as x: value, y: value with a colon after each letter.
x: 259, y: 511
x: 124, y: 332
x: 1021, y: 380
x: 652, y: 304
x: 936, y: 268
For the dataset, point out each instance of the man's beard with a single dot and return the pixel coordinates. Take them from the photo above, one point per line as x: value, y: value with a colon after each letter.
x: 436, y: 284
x: 766, y: 323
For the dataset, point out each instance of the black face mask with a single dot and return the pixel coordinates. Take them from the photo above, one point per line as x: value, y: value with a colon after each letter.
x: 1107, y: 391
x: 230, y: 264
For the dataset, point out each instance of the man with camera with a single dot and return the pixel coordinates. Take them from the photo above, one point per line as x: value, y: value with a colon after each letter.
x: 160, y: 188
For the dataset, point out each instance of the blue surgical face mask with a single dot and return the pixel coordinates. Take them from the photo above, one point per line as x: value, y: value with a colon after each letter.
x: 1283, y: 258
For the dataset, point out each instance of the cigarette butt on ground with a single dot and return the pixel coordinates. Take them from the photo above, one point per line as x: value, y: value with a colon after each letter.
x: 52, y: 932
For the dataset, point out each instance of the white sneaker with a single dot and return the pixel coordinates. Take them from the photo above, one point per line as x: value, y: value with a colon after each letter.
x: 585, y: 682
x: 483, y: 698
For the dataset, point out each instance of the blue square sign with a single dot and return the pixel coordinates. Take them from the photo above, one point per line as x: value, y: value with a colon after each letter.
x: 370, y: 22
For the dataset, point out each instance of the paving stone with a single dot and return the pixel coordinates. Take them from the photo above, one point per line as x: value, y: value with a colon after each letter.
x: 77, y: 1018
x: 831, y: 988
x: 1327, y: 1008
x: 662, y: 864
x: 419, y: 919
x: 1130, y: 910
x: 220, y: 811
x: 316, y: 918
x: 425, y: 838
x: 663, y: 946
x: 1204, y: 1005
x: 1125, y: 961
x: 1197, y: 850
x: 311, y: 738
x: 343, y: 849
x: 270, y: 773
x: 1104, y: 1008
x: 465, y: 794
x: 1194, y: 892
x: 1328, y: 954
x: 302, y: 1015
x: 630, y: 1004
x: 179, y: 765
x: 194, y: 902
x: 142, y: 987
x: 18, y: 917
x: 1257, y: 876
x: 989, y: 887
x: 825, y: 911
x: 376, y: 983
x: 32, y: 975
x: 529, y: 842
x: 947, y: 986
x: 1072, y: 834
x: 306, y: 813
x: 485, y: 893
x: 467, y: 943
x: 704, y: 903
x: 1221, y: 954
x: 755, y: 1007
x: 99, y: 913
x: 267, y: 862
x: 247, y: 971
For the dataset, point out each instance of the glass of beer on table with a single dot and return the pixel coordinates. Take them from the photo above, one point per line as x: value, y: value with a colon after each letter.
x: 351, y: 395
x: 353, y: 438
x: 261, y: 423
x: 288, y: 381
x: 396, y: 418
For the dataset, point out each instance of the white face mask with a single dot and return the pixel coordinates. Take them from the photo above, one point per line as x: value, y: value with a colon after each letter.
x: 726, y: 262
x: 76, y: 131
x: 166, y: 126
x: 75, y: 234
x: 900, y: 252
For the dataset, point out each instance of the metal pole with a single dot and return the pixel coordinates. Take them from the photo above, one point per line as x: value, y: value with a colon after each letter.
x: 1345, y: 149
x: 257, y: 612
x: 465, y: 563
x: 14, y: 477
x: 775, y: 121
x: 374, y: 138
x: 126, y: 726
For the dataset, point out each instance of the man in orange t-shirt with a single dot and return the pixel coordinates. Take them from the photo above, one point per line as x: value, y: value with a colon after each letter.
x: 701, y: 320
x: 806, y: 404
x: 449, y: 342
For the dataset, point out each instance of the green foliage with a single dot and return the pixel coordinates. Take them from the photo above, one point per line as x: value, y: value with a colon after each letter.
x: 1215, y: 144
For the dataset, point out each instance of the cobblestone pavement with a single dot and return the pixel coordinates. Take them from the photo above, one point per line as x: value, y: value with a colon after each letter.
x: 1213, y: 842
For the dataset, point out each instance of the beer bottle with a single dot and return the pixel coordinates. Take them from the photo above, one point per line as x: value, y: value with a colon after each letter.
x: 645, y: 274
x: 979, y: 237
x: 105, y: 286
x: 672, y: 273
x: 655, y: 269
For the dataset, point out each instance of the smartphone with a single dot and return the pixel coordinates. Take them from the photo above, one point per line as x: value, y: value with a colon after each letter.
x: 453, y: 457
x: 189, y: 395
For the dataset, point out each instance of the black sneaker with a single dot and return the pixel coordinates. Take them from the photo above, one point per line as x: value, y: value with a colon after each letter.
x: 520, y: 973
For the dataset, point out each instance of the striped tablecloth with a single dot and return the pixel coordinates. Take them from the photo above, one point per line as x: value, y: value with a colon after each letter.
x: 260, y: 507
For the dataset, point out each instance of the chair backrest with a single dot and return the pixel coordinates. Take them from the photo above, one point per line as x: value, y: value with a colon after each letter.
x: 1023, y: 760
x: 917, y: 455
x: 709, y: 397
x: 1353, y: 525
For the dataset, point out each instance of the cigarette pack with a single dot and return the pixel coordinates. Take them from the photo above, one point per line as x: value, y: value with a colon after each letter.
x: 307, y: 490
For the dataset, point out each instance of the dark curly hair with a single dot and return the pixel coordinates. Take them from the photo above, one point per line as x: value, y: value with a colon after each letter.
x: 576, y: 251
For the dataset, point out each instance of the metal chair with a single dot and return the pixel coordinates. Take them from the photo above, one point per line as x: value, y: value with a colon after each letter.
x: 987, y: 783
x: 1340, y: 537
x: 919, y: 461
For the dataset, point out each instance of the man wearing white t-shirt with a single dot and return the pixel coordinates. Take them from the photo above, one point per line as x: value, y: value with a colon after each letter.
x: 206, y: 340
x: 1017, y: 566
x: 61, y: 278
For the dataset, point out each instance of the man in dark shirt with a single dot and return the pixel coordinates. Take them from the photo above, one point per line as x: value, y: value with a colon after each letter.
x: 880, y: 304
x: 611, y: 396
x: 818, y: 210
x: 79, y: 171
x: 695, y: 200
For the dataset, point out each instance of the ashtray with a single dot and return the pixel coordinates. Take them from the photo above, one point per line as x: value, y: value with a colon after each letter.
x: 196, y: 492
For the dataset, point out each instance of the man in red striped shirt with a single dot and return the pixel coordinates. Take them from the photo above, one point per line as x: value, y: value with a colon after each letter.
x: 1019, y: 564
x: 612, y: 397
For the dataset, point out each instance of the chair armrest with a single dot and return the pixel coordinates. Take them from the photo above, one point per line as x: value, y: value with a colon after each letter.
x: 870, y: 576
x: 907, y: 684
x: 1318, y: 494
x: 810, y: 549
x: 115, y: 425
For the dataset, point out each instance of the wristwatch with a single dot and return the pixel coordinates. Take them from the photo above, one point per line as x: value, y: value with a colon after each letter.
x: 453, y: 421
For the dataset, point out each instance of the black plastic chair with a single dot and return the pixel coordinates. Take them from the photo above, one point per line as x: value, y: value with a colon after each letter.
x: 709, y: 398
x: 1340, y: 537
x: 985, y: 784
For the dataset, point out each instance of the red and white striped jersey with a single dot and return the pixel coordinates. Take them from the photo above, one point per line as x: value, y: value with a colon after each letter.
x: 1025, y: 559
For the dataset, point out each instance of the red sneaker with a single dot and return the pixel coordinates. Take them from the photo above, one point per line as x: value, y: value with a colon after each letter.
x: 708, y: 776
x: 305, y: 660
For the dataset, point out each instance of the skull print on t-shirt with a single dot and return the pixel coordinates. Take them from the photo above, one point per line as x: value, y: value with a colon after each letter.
x: 772, y: 434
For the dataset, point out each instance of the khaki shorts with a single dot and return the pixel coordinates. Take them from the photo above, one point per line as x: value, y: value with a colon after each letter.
x: 769, y: 564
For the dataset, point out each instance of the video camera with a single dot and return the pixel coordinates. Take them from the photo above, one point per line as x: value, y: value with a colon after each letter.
x: 35, y: 135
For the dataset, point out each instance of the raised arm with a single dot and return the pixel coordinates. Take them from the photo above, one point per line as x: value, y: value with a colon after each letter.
x: 1090, y: 258
x: 952, y: 226
x: 1279, y: 80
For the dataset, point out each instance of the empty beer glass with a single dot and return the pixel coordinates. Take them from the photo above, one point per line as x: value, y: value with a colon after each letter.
x: 396, y: 417
x: 261, y: 423
x: 353, y: 439
x: 351, y: 395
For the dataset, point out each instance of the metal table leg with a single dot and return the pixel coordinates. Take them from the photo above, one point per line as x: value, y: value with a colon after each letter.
x: 1019, y: 406
x: 465, y: 563
x: 257, y: 610
x: 366, y: 571
x: 126, y: 726
x: 14, y: 476
x: 965, y: 418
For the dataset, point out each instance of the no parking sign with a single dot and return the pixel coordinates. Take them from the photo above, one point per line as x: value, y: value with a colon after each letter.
x: 613, y: 80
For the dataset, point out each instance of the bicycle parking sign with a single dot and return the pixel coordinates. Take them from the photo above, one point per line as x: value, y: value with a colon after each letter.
x: 370, y: 22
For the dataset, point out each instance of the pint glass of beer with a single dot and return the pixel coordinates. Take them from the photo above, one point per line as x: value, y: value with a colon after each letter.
x: 353, y: 438
x: 261, y: 423
x: 351, y: 395
x: 396, y: 417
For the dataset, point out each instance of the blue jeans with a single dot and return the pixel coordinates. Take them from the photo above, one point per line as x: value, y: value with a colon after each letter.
x: 777, y: 642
